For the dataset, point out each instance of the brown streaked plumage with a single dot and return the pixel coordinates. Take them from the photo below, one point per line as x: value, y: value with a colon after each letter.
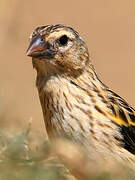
x: 73, y: 99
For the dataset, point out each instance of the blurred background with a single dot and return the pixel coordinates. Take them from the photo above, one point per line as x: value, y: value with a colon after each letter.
x: 108, y: 27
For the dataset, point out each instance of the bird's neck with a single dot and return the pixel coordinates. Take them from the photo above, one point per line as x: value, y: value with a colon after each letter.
x: 85, y: 78
x: 89, y: 80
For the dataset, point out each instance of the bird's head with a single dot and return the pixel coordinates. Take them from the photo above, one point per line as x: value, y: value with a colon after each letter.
x: 58, y: 49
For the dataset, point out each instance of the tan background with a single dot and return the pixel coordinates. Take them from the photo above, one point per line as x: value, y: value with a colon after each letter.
x: 108, y: 28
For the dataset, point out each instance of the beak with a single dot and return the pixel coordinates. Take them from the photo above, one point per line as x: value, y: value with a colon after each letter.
x: 39, y: 48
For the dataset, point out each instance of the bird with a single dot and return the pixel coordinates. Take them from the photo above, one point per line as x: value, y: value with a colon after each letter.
x: 74, y: 101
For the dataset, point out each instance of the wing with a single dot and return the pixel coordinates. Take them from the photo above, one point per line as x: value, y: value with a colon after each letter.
x: 125, y: 118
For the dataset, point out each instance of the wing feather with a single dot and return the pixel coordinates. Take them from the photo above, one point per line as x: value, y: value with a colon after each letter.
x: 125, y: 118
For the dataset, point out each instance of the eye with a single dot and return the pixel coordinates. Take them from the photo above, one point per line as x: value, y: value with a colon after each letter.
x: 63, y: 40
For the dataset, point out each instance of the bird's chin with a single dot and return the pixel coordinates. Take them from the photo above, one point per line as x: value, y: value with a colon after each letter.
x: 41, y: 59
x: 43, y: 56
x: 44, y: 60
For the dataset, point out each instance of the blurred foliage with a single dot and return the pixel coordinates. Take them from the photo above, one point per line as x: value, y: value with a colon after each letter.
x: 20, y: 160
